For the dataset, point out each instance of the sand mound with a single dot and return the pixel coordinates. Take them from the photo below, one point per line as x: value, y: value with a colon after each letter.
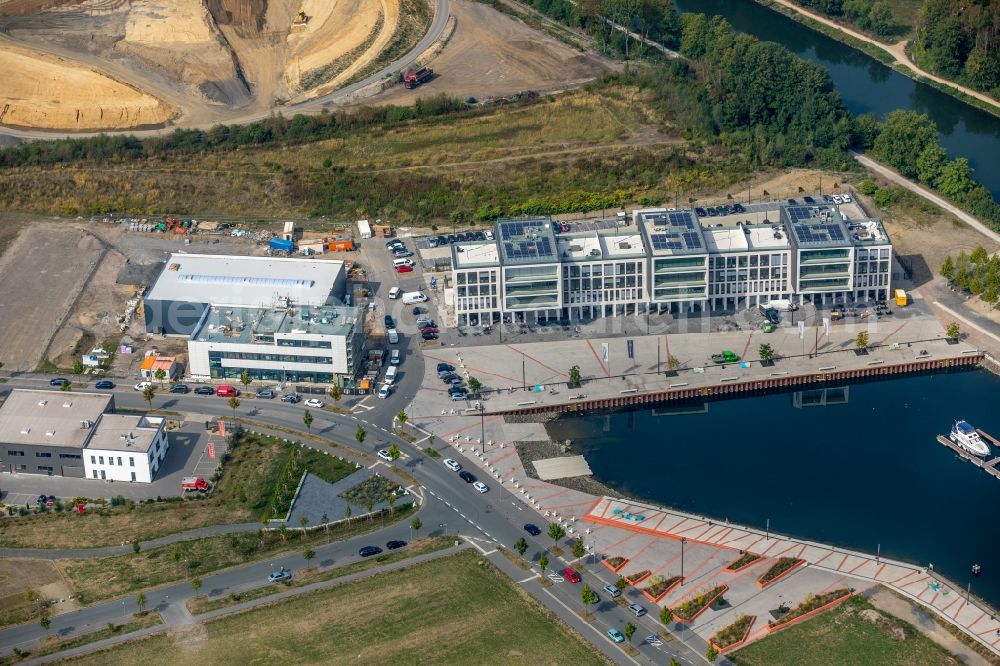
x: 169, y: 22
x: 334, y: 30
x: 40, y: 90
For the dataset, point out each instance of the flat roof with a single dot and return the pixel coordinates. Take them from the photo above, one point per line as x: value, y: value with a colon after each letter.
x: 671, y: 232
x: 50, y: 418
x: 526, y: 241
x: 816, y: 226
x: 125, y: 432
x: 599, y: 245
x: 476, y: 254
x: 246, y: 325
x: 245, y: 281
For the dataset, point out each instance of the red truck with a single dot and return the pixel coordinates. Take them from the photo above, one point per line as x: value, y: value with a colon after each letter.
x: 194, y: 483
x: 413, y: 79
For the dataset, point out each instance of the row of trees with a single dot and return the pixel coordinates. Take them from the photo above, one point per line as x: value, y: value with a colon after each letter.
x: 871, y: 15
x: 977, y: 273
x: 960, y: 39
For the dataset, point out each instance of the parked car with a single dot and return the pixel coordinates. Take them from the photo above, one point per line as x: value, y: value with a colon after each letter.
x: 279, y: 576
x: 481, y: 487
x: 532, y: 529
x: 205, y: 390
x: 402, y: 254
x: 711, y: 212
x: 445, y: 367
x: 429, y: 329
x: 489, y: 235
x: 432, y: 241
x: 442, y: 240
x: 457, y: 390
x: 225, y: 391
x: 142, y: 386
x: 104, y: 384
x: 446, y: 377
x: 384, y: 391
x: 452, y: 465
x: 458, y: 397
x: 467, y: 476
x: 368, y: 551
x: 395, y: 293
x: 847, y: 198
x: 179, y: 388
x: 267, y: 394
x: 739, y: 208
x: 417, y: 310
x: 429, y: 336
x: 616, y: 635
x: 394, y: 544
x: 393, y: 243
x: 316, y: 403
x: 613, y: 591
x: 58, y: 381
x: 700, y: 212
x: 384, y: 455
x: 809, y: 200
x: 291, y: 397
x: 637, y: 610
x: 390, y: 322
x: 404, y: 269
x: 571, y: 575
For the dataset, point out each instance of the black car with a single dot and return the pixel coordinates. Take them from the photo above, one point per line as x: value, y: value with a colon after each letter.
x: 447, y: 378
x: 58, y: 381
x: 291, y: 397
x: 368, y: 551
x: 393, y: 243
x: 711, y: 212
x: 720, y: 210
x: 104, y: 384
x: 390, y: 322
x: 267, y: 394
x: 442, y: 240
x: 429, y: 336
x: 809, y: 200
x: 179, y: 388
x: 452, y: 238
x: 205, y: 390
x: 42, y: 499
x: 394, y: 544
x: 532, y: 529
x: 419, y: 310
x: 442, y: 367
x: 480, y: 236
x: 468, y: 477
x: 792, y: 202
x: 700, y: 212
x: 739, y: 208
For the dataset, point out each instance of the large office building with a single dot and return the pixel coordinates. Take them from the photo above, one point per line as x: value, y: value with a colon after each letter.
x: 280, y: 319
x: 56, y: 433
x: 671, y: 261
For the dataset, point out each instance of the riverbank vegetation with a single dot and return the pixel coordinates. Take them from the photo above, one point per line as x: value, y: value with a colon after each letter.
x: 977, y: 273
x: 958, y: 39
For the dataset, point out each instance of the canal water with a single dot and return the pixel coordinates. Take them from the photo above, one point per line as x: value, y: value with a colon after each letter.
x: 867, y: 85
x: 853, y: 466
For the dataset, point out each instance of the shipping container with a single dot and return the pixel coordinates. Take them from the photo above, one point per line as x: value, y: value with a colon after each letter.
x: 281, y: 244
x: 340, y: 245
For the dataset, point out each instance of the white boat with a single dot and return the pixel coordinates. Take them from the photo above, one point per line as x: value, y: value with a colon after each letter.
x: 963, y: 434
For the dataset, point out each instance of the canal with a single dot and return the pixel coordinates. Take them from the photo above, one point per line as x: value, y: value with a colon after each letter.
x: 867, y: 85
x: 853, y: 466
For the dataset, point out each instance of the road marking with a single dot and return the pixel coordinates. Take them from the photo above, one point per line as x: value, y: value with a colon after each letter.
x: 531, y: 578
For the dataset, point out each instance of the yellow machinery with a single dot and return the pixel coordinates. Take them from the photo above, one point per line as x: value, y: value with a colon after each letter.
x: 300, y: 18
x: 901, y: 298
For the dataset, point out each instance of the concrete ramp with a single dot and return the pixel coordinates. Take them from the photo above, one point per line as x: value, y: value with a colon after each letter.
x: 562, y: 467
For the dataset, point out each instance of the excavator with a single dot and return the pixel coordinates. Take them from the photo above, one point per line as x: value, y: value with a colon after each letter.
x: 300, y: 19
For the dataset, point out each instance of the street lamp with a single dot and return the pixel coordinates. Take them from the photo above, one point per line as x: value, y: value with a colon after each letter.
x: 482, y: 425
x: 683, y: 541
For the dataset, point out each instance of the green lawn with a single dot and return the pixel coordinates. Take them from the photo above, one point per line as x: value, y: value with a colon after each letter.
x: 839, y: 637
x: 454, y: 610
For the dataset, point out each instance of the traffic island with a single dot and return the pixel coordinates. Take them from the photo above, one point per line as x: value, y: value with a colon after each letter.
x: 783, y: 567
x: 745, y: 560
x: 734, y: 635
x: 813, y: 605
x: 687, y: 611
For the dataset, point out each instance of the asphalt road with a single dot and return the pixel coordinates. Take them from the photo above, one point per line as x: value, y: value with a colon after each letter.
x: 309, y: 106
x: 451, y: 506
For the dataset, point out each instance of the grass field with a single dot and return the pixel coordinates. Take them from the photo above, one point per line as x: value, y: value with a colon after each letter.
x: 241, y: 495
x: 454, y: 610
x: 852, y: 633
x: 54, y: 644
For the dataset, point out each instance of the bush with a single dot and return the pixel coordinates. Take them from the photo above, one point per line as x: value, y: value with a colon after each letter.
x: 868, y: 187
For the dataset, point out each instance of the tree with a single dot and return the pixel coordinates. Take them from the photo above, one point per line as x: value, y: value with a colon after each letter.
x: 303, y: 521
x: 136, y: 546
x: 621, y: 583
x: 347, y: 512
x: 335, y: 392
x: 234, y: 402
x: 521, y: 546
x: 868, y: 187
x: 147, y: 394
x: 325, y: 522
x: 394, y: 452
x: 283, y: 532
x: 307, y: 419
x: 948, y: 268
x: 368, y: 507
x: 308, y: 554
x: 390, y: 499
x: 140, y: 601
x: 902, y: 138
x: 402, y: 417
x: 556, y: 532
x: 578, y: 548
x: 78, y: 367
x: 160, y: 375
x: 666, y: 615
x: 588, y: 596
x: 45, y: 622
x: 245, y: 378
x: 574, y: 375
x: 360, y: 435
x: 416, y: 524
x: 543, y: 562
x: 474, y: 385
x: 766, y: 352
x: 711, y: 653
x: 66, y: 386
x: 979, y: 256
x: 861, y: 340
x: 956, y: 178
x: 953, y: 331
x: 929, y: 163
x: 629, y: 631
x: 196, y: 584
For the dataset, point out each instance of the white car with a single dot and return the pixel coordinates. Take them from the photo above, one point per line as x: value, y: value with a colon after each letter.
x: 480, y: 486
x: 452, y: 465
x: 384, y: 392
x: 384, y: 455
x: 489, y: 235
x: 142, y: 386
x: 846, y: 198
x: 314, y: 402
x: 837, y: 199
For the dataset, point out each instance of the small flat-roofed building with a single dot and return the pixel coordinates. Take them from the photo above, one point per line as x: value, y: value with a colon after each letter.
x: 286, y: 344
x: 678, y: 271
x: 153, y: 362
x: 191, y: 283
x: 476, y: 278
x: 529, y: 268
x: 126, y: 447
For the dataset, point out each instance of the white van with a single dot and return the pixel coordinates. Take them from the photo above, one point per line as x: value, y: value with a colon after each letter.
x: 411, y: 297
x: 395, y: 292
x: 394, y: 357
x: 390, y: 375
x: 393, y: 336
x: 396, y: 263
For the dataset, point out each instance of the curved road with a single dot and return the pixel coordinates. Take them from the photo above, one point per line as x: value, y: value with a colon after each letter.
x: 435, y: 31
